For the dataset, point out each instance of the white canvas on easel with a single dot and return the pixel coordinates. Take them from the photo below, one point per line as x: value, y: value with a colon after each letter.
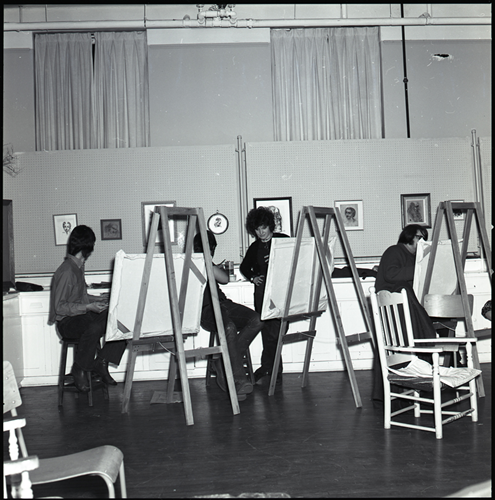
x: 157, y: 319
x: 444, y: 276
x: 277, y: 281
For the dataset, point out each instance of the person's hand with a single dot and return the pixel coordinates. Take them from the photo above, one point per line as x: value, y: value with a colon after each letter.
x: 98, y: 306
x: 258, y: 280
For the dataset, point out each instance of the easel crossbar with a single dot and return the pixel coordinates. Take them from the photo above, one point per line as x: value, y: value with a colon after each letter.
x: 292, y: 338
x: 357, y: 338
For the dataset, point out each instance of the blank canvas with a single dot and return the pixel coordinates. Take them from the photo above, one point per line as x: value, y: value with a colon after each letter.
x: 157, y: 318
x: 444, y: 276
x: 279, y: 271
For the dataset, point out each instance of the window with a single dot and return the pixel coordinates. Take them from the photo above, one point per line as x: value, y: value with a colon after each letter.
x: 89, y: 98
x: 326, y: 84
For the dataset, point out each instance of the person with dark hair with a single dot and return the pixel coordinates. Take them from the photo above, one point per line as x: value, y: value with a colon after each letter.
x: 260, y: 223
x: 82, y: 316
x: 241, y: 324
x: 395, y: 272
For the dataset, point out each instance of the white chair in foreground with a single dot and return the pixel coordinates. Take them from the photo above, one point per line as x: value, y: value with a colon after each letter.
x: 17, y: 468
x: 397, y: 346
x: 104, y: 461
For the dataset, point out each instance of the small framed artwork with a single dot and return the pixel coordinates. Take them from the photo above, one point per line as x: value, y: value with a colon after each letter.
x: 416, y: 209
x: 458, y: 214
x: 352, y: 214
x: 282, y: 211
x: 147, y: 210
x: 218, y: 223
x: 111, y: 229
x: 63, y: 226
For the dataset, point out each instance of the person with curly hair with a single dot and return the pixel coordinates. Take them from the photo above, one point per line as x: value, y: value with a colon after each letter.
x: 260, y: 223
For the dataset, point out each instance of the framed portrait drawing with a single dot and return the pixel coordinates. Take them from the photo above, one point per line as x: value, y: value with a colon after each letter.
x: 352, y: 214
x: 147, y: 210
x: 63, y: 226
x: 416, y: 209
x: 218, y: 223
x: 282, y: 211
x: 111, y: 229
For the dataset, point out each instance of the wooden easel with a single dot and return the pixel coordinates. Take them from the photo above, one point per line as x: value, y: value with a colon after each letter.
x: 472, y: 208
x: 323, y: 252
x: 175, y: 343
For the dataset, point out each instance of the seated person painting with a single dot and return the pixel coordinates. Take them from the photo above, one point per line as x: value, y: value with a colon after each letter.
x: 241, y: 325
x: 82, y: 316
x: 395, y: 272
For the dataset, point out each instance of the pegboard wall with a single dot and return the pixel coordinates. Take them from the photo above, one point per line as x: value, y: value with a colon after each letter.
x: 375, y: 171
x: 486, y: 180
x: 111, y: 184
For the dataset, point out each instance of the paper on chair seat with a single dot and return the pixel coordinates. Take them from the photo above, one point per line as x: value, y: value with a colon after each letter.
x: 453, y: 377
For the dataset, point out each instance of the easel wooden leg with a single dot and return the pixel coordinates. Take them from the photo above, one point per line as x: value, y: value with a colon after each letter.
x: 307, y: 359
x: 332, y: 300
x: 186, y: 395
x: 278, y: 354
x: 350, y: 371
x: 173, y: 396
x: 128, y: 378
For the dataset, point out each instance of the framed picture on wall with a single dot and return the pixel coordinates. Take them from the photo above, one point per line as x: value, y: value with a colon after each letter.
x: 63, y: 226
x: 111, y: 229
x: 147, y: 210
x: 352, y: 214
x: 218, y: 223
x: 416, y: 209
x: 282, y: 211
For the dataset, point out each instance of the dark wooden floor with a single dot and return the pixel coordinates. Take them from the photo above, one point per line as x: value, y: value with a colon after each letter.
x: 310, y: 442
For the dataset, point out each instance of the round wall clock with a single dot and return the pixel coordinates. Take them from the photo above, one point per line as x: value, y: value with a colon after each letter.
x: 218, y: 223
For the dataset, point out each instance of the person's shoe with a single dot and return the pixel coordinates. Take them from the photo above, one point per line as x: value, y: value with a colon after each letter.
x: 244, y: 387
x: 101, y: 368
x: 263, y: 372
x: 241, y: 397
x: 260, y: 373
x: 220, y: 375
x: 80, y: 380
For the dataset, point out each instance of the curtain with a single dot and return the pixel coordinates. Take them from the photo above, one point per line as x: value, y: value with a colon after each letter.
x: 64, y: 91
x: 326, y: 84
x: 121, y: 90
x: 78, y: 107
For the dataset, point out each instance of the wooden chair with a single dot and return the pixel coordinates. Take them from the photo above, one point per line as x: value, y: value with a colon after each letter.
x: 248, y: 365
x: 396, y: 347
x: 66, y: 381
x: 447, y: 310
x: 17, y: 468
x: 105, y: 461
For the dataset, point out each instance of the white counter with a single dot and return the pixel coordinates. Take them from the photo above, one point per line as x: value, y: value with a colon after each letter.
x: 26, y: 329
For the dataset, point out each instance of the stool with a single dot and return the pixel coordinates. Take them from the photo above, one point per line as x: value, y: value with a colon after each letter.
x: 210, y: 359
x: 66, y: 381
